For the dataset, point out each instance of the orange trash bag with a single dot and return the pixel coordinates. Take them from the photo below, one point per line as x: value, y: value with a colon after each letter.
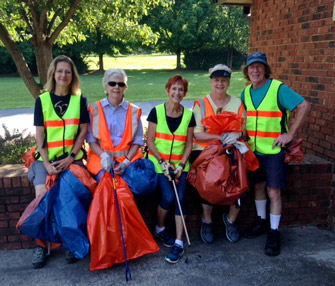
x: 104, y: 228
x: 29, y: 157
x: 219, y: 177
x: 230, y: 122
x: 293, y: 151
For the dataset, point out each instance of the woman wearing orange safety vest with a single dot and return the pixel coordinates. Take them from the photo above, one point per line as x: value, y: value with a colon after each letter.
x: 61, y: 121
x: 217, y: 102
x: 170, y: 135
x: 115, y: 132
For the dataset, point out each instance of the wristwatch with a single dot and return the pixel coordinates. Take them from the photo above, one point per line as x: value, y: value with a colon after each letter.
x: 73, y: 155
x: 161, y: 161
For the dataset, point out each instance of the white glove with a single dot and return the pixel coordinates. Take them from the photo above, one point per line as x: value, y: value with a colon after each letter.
x: 106, y: 161
x: 230, y: 137
x: 178, y: 171
x: 122, y: 167
x: 165, y: 167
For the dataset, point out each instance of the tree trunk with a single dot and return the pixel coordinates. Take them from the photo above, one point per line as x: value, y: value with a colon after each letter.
x: 43, y: 55
x: 20, y: 62
x: 230, y: 57
x: 101, y: 62
x: 178, y: 60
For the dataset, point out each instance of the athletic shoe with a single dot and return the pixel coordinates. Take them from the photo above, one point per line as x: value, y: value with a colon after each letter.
x: 232, y: 233
x: 206, y: 232
x: 175, y: 254
x: 165, y: 237
x: 272, y: 246
x: 260, y: 227
x: 69, y: 257
x: 39, y: 257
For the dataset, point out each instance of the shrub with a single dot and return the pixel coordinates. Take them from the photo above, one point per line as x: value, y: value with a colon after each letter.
x: 14, y: 145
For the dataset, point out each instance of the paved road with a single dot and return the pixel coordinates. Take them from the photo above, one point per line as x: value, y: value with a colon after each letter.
x: 307, y: 259
x: 22, y: 119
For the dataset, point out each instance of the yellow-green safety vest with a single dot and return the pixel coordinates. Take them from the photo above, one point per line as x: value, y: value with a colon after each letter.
x: 266, y: 122
x: 170, y: 146
x: 61, y: 132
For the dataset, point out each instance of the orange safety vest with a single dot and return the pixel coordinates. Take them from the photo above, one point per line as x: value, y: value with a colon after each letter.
x: 206, y: 111
x: 102, y: 134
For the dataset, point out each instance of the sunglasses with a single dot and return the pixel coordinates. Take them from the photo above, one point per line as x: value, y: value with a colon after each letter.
x: 114, y: 83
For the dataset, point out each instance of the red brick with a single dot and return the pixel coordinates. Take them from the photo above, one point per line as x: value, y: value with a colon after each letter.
x: 2, y: 208
x: 14, y: 215
x: 4, y: 216
x: 10, y: 246
x: 3, y: 239
x: 13, y: 238
x: 12, y: 200
x: 16, y: 182
x: 3, y: 224
x: 7, y: 182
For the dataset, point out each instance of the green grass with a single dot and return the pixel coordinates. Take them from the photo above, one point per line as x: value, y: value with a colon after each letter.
x: 147, y: 77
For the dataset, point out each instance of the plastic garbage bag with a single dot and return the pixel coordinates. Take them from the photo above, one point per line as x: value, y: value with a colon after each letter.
x: 141, y: 177
x: 219, y: 174
x: 60, y: 215
x: 104, y: 228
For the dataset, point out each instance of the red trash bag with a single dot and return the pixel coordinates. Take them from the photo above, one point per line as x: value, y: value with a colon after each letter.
x: 293, y: 151
x: 104, y: 228
x: 219, y: 177
x: 230, y: 122
x: 29, y: 157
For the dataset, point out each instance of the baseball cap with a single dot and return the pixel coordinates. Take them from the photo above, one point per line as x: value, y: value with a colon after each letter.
x: 257, y: 57
x: 219, y: 70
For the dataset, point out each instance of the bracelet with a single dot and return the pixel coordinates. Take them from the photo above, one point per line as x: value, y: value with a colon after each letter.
x: 73, y: 155
x: 161, y: 161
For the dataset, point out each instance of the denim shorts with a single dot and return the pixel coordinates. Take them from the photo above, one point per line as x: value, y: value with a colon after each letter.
x: 168, y: 195
x: 272, y: 170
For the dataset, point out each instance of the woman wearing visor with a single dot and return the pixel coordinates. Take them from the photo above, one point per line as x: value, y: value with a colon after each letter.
x: 218, y: 101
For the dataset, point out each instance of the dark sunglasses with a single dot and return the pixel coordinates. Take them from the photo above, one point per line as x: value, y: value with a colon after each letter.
x: 114, y: 83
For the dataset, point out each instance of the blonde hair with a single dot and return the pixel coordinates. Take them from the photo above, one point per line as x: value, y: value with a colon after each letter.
x: 50, y: 85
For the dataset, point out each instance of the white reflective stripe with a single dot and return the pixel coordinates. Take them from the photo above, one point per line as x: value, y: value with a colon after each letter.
x: 95, y: 125
x: 202, y: 107
x: 120, y: 153
x: 134, y: 123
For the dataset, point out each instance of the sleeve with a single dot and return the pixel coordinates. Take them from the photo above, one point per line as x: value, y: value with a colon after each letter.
x: 152, y: 117
x: 288, y: 99
x: 89, y: 137
x: 192, y: 122
x: 242, y: 96
x: 84, y: 116
x: 197, y: 116
x: 38, y: 113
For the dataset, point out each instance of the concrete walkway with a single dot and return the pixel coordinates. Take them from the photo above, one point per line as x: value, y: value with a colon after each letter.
x: 307, y: 259
x: 23, y: 119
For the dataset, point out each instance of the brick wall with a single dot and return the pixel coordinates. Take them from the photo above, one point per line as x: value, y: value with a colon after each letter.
x: 298, y: 37
x: 309, y: 199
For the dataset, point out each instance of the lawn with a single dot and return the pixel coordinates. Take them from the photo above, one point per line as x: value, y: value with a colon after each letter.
x: 147, y: 76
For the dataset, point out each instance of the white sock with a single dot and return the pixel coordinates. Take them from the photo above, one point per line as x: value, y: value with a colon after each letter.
x: 274, y: 221
x: 159, y: 229
x: 179, y: 242
x: 261, y: 208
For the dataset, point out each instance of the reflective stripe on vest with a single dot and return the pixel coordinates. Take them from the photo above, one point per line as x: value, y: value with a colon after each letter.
x: 61, y: 132
x: 170, y: 146
x: 101, y: 132
x: 206, y: 111
x: 265, y: 123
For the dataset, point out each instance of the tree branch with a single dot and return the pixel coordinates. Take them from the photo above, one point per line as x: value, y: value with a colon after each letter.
x: 26, y: 19
x: 53, y: 21
x: 66, y: 20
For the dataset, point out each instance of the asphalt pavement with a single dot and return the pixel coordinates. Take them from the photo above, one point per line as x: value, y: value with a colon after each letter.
x: 307, y: 258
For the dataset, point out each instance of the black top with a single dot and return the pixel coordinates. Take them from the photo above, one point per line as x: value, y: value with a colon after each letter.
x: 60, y: 104
x: 172, y: 122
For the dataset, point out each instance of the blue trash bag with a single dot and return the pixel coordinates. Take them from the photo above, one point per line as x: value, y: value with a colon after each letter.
x: 61, y: 216
x: 141, y: 177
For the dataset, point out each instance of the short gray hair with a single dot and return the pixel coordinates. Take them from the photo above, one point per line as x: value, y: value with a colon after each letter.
x: 116, y: 73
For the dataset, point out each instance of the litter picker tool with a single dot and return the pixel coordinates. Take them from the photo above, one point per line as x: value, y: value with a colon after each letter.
x: 121, y: 229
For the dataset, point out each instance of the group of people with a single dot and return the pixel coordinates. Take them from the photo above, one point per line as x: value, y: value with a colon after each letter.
x: 176, y: 136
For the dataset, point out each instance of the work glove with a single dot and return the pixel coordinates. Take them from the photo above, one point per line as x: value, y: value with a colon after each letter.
x: 106, y: 161
x: 122, y: 167
x: 230, y: 137
x: 178, y: 171
x: 165, y: 167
